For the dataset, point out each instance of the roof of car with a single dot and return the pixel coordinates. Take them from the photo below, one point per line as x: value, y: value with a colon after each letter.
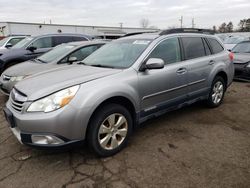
x: 86, y: 43
x: 63, y: 34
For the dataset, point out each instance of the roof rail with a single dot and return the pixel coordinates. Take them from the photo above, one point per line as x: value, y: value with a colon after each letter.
x: 138, y: 33
x: 187, y: 30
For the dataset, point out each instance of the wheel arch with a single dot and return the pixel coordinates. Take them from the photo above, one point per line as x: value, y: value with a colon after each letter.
x: 121, y: 100
x: 222, y: 74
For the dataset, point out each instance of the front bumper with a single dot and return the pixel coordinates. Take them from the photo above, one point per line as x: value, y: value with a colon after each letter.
x: 55, y: 129
x: 242, y: 71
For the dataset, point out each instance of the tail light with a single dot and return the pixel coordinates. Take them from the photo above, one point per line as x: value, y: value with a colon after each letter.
x: 231, y: 56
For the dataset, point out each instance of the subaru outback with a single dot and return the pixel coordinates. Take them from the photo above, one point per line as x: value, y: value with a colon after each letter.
x: 102, y: 99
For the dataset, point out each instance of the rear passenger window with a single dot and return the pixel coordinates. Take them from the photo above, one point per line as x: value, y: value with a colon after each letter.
x: 79, y: 39
x: 215, y: 45
x: 193, y: 47
x: 168, y: 51
x: 62, y: 39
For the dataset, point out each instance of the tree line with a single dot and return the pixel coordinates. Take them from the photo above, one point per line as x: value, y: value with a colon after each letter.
x: 243, y: 26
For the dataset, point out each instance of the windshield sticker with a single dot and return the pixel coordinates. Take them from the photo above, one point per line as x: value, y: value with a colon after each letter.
x: 143, y: 42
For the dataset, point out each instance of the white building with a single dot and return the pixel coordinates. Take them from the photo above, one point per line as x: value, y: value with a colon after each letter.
x: 19, y: 28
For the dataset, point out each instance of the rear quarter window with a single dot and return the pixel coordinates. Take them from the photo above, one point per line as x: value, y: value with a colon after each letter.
x: 215, y: 46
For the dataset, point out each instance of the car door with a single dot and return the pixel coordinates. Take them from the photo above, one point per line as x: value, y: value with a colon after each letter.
x: 163, y: 88
x: 42, y: 45
x: 199, y: 64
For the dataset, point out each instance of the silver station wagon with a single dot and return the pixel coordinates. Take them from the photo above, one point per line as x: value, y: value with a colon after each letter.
x: 102, y: 99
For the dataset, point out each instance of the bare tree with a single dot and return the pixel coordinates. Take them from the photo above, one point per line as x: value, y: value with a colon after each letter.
x: 144, y: 23
x: 230, y: 27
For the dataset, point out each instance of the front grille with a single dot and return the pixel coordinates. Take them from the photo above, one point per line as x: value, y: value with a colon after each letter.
x: 6, y: 77
x: 17, y: 100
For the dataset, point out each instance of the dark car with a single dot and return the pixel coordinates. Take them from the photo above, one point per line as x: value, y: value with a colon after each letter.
x: 242, y: 60
x: 61, y: 55
x: 34, y: 46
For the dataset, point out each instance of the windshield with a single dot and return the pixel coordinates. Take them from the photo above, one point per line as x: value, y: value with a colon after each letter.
x: 23, y: 43
x: 57, y: 52
x: 3, y: 41
x: 234, y: 40
x: 242, y: 48
x: 118, y: 54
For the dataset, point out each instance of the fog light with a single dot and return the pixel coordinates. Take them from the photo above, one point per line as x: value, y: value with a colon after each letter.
x: 46, y: 140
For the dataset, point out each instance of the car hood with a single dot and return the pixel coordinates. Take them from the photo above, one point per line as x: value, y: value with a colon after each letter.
x: 241, y: 57
x: 47, y: 82
x: 28, y: 68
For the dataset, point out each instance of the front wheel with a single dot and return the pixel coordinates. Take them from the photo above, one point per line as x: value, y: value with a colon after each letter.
x: 109, y: 130
x: 217, y: 92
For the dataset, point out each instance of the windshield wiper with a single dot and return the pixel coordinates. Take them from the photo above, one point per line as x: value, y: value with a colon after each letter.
x: 41, y: 60
x: 103, y: 66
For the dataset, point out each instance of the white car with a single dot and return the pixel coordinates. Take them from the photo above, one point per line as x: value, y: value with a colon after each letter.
x: 8, y: 42
x: 231, y: 42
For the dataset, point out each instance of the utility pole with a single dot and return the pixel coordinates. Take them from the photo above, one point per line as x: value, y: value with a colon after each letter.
x: 121, y: 24
x: 181, y: 20
x: 193, y: 24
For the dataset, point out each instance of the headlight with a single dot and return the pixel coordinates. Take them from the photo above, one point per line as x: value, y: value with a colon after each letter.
x: 54, y: 101
x: 17, y: 78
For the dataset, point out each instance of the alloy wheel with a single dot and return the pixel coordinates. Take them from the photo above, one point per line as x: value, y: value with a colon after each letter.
x: 113, y: 131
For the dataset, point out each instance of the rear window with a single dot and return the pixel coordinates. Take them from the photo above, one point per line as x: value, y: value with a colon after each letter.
x: 215, y: 45
x: 193, y: 47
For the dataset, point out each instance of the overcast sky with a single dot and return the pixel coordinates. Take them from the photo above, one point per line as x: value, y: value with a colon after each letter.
x: 160, y: 13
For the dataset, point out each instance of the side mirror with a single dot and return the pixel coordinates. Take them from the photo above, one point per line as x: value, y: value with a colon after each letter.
x: 72, y: 60
x: 32, y: 48
x: 153, y: 63
x: 8, y: 45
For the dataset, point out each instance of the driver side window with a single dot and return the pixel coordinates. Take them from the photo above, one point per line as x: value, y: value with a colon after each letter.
x: 45, y: 42
x: 168, y: 50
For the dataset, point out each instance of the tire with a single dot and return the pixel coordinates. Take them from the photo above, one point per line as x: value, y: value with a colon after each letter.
x: 109, y: 130
x: 216, y: 92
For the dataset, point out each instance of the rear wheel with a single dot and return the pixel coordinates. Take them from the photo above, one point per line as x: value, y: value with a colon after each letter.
x: 109, y: 130
x: 217, y: 92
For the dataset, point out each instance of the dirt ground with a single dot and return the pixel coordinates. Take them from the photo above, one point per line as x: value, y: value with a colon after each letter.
x: 191, y: 147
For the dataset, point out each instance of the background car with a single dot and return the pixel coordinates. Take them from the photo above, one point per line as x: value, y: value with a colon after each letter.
x: 61, y: 55
x: 34, y: 46
x: 242, y: 60
x: 8, y: 42
x: 230, y: 42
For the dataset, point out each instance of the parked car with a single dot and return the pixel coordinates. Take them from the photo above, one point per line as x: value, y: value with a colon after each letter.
x: 8, y: 42
x: 122, y: 84
x: 34, y: 46
x: 61, y: 55
x: 230, y: 42
x: 242, y: 60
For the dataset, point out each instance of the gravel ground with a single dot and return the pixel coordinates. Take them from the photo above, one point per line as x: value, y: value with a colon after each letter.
x: 191, y: 147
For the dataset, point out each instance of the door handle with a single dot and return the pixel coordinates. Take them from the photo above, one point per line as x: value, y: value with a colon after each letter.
x: 211, y: 62
x: 181, y: 71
